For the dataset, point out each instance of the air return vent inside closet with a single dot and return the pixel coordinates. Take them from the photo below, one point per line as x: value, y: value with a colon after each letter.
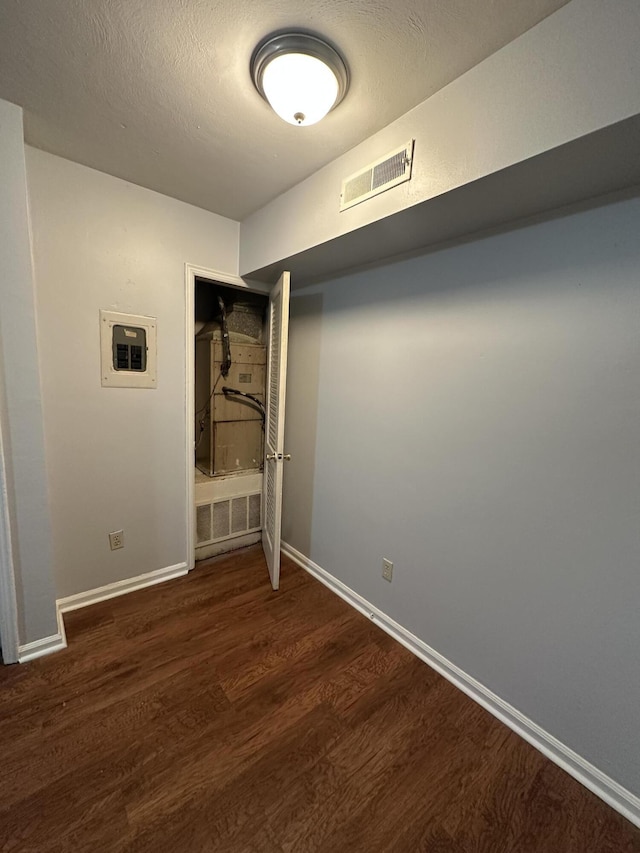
x: 389, y: 171
x: 227, y: 518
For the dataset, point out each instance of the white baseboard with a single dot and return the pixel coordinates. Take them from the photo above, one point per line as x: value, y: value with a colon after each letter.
x: 47, y: 645
x: 619, y: 798
x: 40, y: 648
x: 111, y: 590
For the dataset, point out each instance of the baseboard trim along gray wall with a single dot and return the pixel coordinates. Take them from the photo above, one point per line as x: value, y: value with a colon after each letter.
x: 57, y: 642
x: 40, y: 648
x: 112, y: 590
x: 623, y: 801
x: 46, y: 645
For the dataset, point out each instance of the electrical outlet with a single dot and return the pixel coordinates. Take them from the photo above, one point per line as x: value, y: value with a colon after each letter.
x: 387, y: 570
x: 116, y: 539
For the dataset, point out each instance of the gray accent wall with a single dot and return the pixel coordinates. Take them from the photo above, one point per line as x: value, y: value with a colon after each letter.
x: 478, y: 423
x: 301, y: 418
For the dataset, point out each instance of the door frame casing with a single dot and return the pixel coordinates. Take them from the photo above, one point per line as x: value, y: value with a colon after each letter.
x: 9, y: 631
x: 191, y: 272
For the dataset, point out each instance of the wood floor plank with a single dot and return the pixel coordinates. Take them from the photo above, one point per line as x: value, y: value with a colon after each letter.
x: 209, y: 713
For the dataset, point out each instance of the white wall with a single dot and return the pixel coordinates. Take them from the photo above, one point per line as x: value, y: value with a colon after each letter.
x: 116, y: 457
x: 20, y: 397
x: 574, y: 73
x: 478, y: 413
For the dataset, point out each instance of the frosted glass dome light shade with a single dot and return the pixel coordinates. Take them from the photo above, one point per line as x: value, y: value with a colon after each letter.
x: 300, y: 88
x: 301, y: 76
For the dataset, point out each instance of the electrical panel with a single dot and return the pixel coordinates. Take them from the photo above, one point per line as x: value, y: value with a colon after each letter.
x: 128, y: 350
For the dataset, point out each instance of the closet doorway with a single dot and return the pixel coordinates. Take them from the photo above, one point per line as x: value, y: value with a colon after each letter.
x: 236, y: 381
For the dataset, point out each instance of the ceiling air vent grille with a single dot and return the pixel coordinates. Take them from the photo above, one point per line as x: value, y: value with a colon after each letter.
x: 389, y: 171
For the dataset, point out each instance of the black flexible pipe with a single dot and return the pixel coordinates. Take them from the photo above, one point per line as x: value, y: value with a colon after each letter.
x: 250, y: 397
x: 226, y: 346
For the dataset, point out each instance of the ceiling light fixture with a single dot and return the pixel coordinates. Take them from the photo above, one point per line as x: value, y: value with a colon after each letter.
x: 300, y: 75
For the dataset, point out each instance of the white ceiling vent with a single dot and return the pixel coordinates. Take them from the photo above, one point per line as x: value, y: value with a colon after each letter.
x: 389, y: 171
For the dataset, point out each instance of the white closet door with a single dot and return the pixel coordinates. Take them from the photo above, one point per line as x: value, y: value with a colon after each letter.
x: 274, y: 426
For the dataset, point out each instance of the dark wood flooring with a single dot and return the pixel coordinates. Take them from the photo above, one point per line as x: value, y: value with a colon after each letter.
x: 212, y: 714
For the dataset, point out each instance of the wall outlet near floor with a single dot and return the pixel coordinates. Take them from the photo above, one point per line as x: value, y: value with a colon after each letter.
x: 387, y: 570
x: 116, y: 539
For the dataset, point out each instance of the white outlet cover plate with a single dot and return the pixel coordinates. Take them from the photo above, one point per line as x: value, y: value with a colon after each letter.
x: 116, y: 540
x: 387, y: 570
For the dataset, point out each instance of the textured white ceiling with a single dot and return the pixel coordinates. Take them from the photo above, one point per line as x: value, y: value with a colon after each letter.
x: 158, y: 91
